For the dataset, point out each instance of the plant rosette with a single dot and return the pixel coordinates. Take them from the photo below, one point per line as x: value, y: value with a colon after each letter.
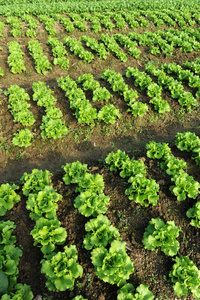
x: 185, y: 276
x: 159, y: 234
x: 100, y: 232
x: 127, y: 292
x: 113, y: 265
x: 22, y: 138
x: 61, y: 269
x: 8, y: 197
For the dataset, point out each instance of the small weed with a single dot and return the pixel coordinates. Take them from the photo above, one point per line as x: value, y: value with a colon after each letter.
x: 184, y: 239
x: 123, y: 221
x: 89, y: 280
x: 153, y: 278
x: 76, y: 137
x: 153, y: 118
x: 79, y: 284
x: 112, y: 144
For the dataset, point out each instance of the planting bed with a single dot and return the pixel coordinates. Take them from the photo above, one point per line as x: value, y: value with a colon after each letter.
x: 90, y: 144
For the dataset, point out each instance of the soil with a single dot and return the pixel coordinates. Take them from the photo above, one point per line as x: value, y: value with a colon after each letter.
x: 91, y: 146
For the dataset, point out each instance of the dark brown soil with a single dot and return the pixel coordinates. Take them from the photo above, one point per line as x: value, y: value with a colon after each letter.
x: 91, y: 146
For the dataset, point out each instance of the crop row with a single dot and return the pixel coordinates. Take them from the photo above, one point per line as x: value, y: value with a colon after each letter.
x: 107, y: 20
x: 157, y: 233
x: 52, y: 124
x: 157, y: 42
x: 21, y: 7
x: 9, y: 253
x: 108, y: 252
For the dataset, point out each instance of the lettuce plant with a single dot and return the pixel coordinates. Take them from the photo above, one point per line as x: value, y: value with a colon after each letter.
x: 6, y: 237
x: 194, y: 214
x: 19, y: 292
x: 189, y: 141
x: 3, y: 283
x: 100, y: 232
x: 91, y: 182
x: 157, y: 150
x: 19, y: 106
x: 77, y: 48
x: 8, y: 197
x: 112, y: 265
x: 143, y: 190
x: 22, y: 138
x: 113, y: 47
x: 185, y: 186
x: 128, y: 292
x: 74, y: 172
x: 90, y: 203
x: 42, y: 63
x: 92, y: 43
x: 48, y: 233
x: 43, y: 95
x: 131, y: 167
x: 43, y: 203
x: 108, y: 114
x: 9, y: 259
x: 159, y: 234
x: 101, y: 94
x: 52, y: 127
x: 153, y: 90
x: 116, y: 160
x: 138, y: 109
x: 15, y: 59
x: 61, y: 269
x: 35, y: 181
x: 185, y: 276
x: 79, y: 297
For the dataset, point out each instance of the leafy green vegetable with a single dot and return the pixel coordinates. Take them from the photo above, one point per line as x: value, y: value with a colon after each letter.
x: 79, y: 297
x: 116, y: 160
x: 52, y: 127
x: 9, y: 259
x: 189, y: 141
x: 22, y: 138
x: 90, y: 203
x: 127, y: 292
x: 185, y: 276
x: 108, y: 114
x: 159, y: 234
x: 20, y: 292
x: 113, y: 265
x: 43, y: 203
x: 194, y: 213
x: 93, y: 183
x: 74, y: 172
x: 62, y: 269
x: 35, y: 181
x: 185, y: 186
x: 19, y: 106
x: 6, y: 237
x: 8, y: 197
x: 42, y: 63
x: 15, y: 59
x: 48, y: 233
x: 143, y: 190
x: 101, y: 232
x: 157, y: 150
x: 3, y: 283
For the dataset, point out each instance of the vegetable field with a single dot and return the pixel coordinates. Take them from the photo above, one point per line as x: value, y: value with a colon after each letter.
x: 99, y: 150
